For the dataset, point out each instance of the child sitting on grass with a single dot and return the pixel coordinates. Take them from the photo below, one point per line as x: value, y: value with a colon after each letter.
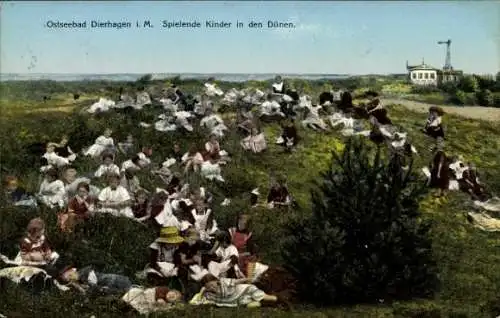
x: 34, y: 247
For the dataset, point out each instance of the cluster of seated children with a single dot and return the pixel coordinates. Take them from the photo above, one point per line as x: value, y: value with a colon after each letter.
x: 223, y: 271
x: 190, y: 246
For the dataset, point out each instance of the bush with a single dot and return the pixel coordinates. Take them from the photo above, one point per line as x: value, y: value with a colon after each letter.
x: 459, y: 98
x: 449, y: 87
x: 468, y: 84
x: 485, y: 98
x: 496, y: 100
x: 424, y: 89
x: 364, y: 241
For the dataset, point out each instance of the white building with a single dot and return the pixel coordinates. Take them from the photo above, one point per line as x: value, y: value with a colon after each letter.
x: 423, y: 74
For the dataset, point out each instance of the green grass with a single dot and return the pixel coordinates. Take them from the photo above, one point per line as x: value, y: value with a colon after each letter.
x: 468, y: 258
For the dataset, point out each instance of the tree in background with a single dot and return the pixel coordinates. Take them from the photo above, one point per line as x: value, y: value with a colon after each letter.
x: 485, y: 97
x: 468, y: 84
x: 458, y: 98
x: 364, y: 241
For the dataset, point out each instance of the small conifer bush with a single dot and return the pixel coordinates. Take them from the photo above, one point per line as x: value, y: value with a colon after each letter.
x: 364, y: 241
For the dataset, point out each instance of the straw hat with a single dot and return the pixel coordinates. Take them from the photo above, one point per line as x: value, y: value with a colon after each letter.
x: 169, y: 235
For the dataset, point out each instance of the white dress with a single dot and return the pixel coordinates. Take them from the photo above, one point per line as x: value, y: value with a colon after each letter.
x: 255, y: 143
x: 197, y: 158
x: 165, y: 261
x: 144, y: 160
x: 166, y: 123
x: 118, y: 195
x: 214, y: 124
x: 71, y: 189
x: 271, y: 108
x: 128, y: 164
x: 231, y: 294
x: 212, y: 90
x: 55, y: 160
x: 211, y: 171
x: 102, y: 105
x: 143, y: 99
x: 144, y: 300
x: 200, y: 224
x: 104, y: 170
x: 313, y: 118
x: 219, y: 269
x: 101, y: 143
x: 167, y: 218
x: 52, y: 193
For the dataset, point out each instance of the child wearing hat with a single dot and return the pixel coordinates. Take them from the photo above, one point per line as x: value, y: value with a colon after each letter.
x: 188, y: 253
x: 162, y: 255
x: 434, y: 126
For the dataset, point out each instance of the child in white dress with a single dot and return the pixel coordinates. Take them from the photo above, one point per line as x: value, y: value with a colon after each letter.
x: 102, y: 143
x: 255, y: 142
x: 52, y: 190
x: 107, y: 166
x: 53, y: 159
x: 115, y: 199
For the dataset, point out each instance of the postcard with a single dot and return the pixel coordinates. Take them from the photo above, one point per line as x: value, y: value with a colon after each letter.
x: 248, y: 158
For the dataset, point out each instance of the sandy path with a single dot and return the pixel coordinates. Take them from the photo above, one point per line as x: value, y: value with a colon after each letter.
x: 473, y: 112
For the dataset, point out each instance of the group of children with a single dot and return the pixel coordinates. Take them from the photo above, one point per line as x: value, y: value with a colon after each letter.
x: 190, y: 246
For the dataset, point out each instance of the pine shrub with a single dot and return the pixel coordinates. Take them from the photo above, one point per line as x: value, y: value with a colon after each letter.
x: 364, y: 241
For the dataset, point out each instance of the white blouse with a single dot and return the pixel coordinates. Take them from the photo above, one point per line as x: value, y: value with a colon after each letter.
x: 104, y: 170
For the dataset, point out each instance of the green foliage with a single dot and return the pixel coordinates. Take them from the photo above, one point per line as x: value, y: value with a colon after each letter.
x: 145, y: 79
x: 459, y: 98
x: 428, y: 89
x: 449, y: 87
x: 485, y: 98
x: 485, y: 82
x: 468, y: 84
x: 496, y: 99
x: 364, y: 240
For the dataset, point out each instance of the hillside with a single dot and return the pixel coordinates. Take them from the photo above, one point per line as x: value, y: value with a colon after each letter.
x: 467, y: 257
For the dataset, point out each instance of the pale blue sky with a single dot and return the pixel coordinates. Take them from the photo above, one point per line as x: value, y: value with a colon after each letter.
x: 330, y: 37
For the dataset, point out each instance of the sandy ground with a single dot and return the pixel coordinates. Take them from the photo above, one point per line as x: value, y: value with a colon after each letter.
x: 473, y: 112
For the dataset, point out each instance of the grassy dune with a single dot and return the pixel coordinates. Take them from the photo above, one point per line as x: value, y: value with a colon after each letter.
x: 468, y: 258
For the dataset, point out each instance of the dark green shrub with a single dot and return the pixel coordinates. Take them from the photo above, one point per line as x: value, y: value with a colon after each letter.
x: 364, y: 240
x: 468, y: 84
x: 485, y: 97
x: 459, y: 98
